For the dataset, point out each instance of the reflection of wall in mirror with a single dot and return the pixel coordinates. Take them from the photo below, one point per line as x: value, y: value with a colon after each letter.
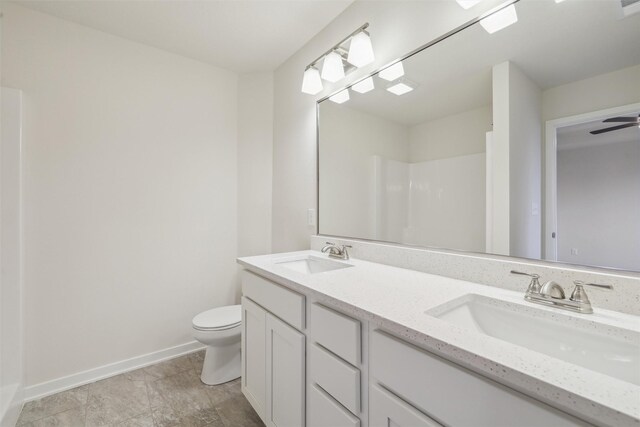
x: 348, y: 141
x: 421, y: 184
x: 598, y: 205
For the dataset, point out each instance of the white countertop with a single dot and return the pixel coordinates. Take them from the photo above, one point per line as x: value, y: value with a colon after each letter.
x: 396, y: 299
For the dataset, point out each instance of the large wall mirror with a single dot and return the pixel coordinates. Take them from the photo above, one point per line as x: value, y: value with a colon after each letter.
x: 524, y: 142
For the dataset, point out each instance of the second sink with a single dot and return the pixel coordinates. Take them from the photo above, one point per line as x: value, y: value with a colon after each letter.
x: 603, y: 348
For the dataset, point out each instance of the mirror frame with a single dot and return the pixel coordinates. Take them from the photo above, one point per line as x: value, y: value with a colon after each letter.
x: 606, y: 270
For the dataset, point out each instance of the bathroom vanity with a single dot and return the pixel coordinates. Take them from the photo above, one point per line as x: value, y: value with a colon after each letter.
x: 357, y: 343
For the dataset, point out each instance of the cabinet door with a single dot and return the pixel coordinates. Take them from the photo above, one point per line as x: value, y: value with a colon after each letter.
x: 285, y: 375
x: 254, y: 324
x: 389, y: 410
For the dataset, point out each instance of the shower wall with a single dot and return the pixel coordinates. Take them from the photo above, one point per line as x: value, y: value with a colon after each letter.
x: 437, y: 203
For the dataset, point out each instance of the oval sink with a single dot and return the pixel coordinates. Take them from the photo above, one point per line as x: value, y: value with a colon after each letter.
x: 607, y: 349
x: 309, y: 264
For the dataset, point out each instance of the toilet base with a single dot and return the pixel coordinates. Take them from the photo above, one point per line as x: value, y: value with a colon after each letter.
x: 221, y: 364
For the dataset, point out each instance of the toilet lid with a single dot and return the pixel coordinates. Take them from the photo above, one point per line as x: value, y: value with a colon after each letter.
x: 218, y: 318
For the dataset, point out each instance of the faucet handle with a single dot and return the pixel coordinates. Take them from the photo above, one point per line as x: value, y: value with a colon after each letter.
x: 579, y: 295
x: 345, y: 253
x: 534, y: 285
x: 595, y: 285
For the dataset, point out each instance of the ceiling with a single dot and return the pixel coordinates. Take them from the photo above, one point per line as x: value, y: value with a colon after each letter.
x: 238, y: 35
x: 552, y: 43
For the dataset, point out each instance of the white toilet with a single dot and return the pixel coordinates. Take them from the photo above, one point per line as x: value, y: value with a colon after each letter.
x: 219, y: 329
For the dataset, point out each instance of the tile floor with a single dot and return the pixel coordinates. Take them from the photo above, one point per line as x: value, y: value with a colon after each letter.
x: 166, y: 394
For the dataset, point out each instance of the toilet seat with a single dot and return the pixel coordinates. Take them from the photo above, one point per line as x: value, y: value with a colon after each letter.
x: 218, y: 319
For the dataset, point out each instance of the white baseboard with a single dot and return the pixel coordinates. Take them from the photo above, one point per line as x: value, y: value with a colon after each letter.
x: 38, y: 391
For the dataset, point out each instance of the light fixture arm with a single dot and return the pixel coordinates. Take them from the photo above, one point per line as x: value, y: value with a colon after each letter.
x: 338, y: 45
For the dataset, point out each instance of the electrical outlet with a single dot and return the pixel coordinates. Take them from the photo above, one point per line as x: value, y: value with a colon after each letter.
x: 535, y: 209
x: 311, y: 217
x: 574, y: 251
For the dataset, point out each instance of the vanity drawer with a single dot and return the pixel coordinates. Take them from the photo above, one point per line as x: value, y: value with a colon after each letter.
x: 324, y: 411
x: 337, y: 332
x: 336, y: 377
x: 285, y: 304
x: 452, y: 394
x: 387, y: 409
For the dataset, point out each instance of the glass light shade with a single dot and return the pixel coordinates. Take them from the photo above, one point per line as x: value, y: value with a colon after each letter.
x: 400, y: 88
x: 360, y: 50
x: 364, y: 86
x: 500, y: 19
x: 467, y: 4
x: 311, y: 82
x: 332, y: 68
x: 340, y: 97
x: 393, y: 72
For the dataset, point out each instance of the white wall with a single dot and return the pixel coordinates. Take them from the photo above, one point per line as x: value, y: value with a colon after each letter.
x: 390, y: 208
x: 396, y: 28
x: 599, y: 204
x: 448, y: 203
x: 255, y: 161
x: 621, y: 87
x: 129, y: 192
x: 499, y: 221
x: 451, y: 136
x: 517, y: 151
x: 348, y: 143
x: 11, y: 317
x: 525, y: 163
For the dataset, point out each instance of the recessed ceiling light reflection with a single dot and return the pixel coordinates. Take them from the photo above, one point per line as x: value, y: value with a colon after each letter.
x: 500, y: 20
x: 400, y: 88
x: 340, y: 97
x: 393, y: 72
x: 364, y: 86
x: 467, y: 4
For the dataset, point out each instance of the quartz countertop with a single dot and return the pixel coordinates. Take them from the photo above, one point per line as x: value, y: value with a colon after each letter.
x: 396, y: 299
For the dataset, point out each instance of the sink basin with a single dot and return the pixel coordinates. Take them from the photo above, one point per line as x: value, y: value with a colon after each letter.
x: 607, y: 349
x: 309, y: 264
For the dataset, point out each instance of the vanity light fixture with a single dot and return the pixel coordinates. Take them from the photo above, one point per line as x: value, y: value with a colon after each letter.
x: 364, y: 86
x: 332, y: 68
x: 360, y: 50
x: 393, y: 72
x: 401, y: 87
x: 340, y: 97
x: 353, y: 51
x: 467, y: 4
x: 311, y: 82
x: 500, y: 20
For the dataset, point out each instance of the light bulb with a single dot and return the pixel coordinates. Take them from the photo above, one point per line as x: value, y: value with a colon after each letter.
x: 311, y: 82
x: 360, y: 50
x: 332, y: 68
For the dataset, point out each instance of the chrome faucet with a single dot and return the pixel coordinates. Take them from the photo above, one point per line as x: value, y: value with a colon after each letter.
x: 552, y: 294
x: 335, y: 251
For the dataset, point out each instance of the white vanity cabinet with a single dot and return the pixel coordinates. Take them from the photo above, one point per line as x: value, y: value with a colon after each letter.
x: 273, y: 351
x: 411, y: 382
x: 307, y: 363
x: 335, y: 369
